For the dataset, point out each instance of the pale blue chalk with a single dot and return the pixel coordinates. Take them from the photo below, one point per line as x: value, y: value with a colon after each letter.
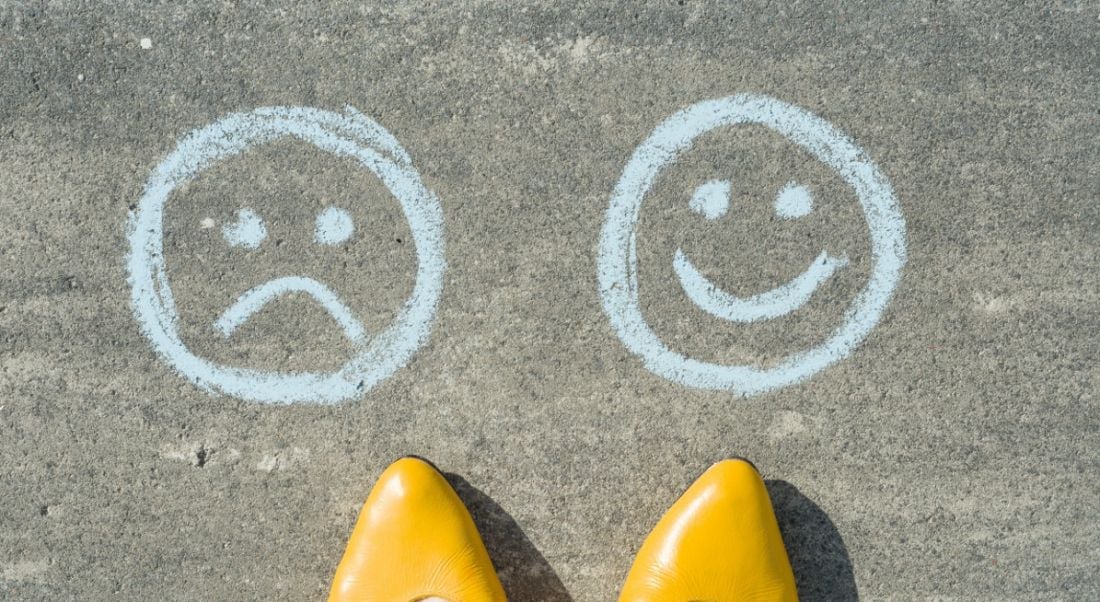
x: 617, y: 262
x: 350, y: 135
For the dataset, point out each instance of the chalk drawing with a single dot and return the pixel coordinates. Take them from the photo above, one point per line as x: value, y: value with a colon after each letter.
x: 711, y: 200
x: 248, y: 231
x: 779, y: 301
x: 794, y: 201
x: 334, y: 226
x: 255, y: 299
x: 349, y: 134
x: 618, y: 262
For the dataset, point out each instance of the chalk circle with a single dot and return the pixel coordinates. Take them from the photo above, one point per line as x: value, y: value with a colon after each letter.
x: 617, y: 260
x: 334, y: 226
x: 349, y: 134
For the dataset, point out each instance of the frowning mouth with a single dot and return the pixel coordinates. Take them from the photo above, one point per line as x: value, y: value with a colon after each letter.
x: 257, y: 298
x: 776, y: 302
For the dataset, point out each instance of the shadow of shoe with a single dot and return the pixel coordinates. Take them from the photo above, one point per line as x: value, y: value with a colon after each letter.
x: 818, y: 556
x: 523, y: 571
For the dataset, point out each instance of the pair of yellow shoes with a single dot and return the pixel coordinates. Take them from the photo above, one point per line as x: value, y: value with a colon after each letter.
x: 415, y: 540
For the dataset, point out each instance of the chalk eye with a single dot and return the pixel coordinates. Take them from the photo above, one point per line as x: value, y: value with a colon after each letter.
x: 248, y: 231
x: 711, y: 200
x: 334, y: 226
x: 793, y: 201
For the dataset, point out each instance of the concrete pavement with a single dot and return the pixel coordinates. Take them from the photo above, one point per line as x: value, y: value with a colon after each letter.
x: 950, y: 455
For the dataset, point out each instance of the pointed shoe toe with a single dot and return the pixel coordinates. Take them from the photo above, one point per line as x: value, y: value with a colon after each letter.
x: 415, y: 539
x: 719, y: 542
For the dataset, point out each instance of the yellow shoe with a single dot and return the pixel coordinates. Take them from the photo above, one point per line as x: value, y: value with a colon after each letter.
x: 415, y: 540
x: 718, y: 543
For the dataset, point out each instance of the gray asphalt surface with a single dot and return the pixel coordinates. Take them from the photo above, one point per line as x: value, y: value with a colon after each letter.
x: 952, y: 455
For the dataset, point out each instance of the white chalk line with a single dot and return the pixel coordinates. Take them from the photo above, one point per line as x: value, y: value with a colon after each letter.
x: 258, y: 297
x: 617, y: 268
x: 248, y: 231
x: 774, y: 303
x: 349, y: 135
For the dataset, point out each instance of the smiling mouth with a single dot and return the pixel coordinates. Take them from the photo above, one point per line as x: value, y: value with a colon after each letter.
x: 779, y: 301
x: 257, y: 298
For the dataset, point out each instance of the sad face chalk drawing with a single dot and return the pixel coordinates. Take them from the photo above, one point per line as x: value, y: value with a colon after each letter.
x: 617, y: 260
x: 376, y: 355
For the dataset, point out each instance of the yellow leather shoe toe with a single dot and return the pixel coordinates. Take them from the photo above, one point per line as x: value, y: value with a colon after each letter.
x: 415, y: 539
x: 718, y: 543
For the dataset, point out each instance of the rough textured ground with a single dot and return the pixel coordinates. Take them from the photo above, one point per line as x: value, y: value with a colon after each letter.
x: 953, y: 455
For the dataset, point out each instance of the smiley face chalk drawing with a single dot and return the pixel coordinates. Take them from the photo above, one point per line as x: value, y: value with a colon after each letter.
x: 617, y: 260
x: 376, y: 355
